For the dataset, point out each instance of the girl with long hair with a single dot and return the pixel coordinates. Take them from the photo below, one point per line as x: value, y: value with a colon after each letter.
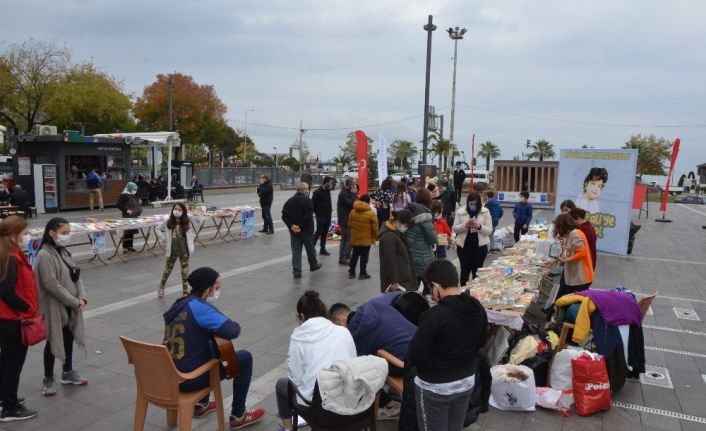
x: 401, y: 199
x: 62, y: 298
x: 179, y: 245
x: 18, y: 301
x: 473, y: 226
x: 576, y: 256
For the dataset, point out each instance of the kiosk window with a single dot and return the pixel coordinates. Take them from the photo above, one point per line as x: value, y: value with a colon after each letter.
x: 78, y: 167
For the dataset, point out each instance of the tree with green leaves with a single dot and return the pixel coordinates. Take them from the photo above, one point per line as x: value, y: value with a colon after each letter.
x: 29, y: 74
x: 490, y: 151
x: 291, y: 163
x: 652, y: 154
x: 343, y: 161
x: 349, y: 150
x: 402, y: 153
x: 541, y: 149
x: 87, y: 97
x: 442, y: 148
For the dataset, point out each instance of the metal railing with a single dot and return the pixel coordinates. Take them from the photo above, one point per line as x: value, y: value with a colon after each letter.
x: 234, y: 176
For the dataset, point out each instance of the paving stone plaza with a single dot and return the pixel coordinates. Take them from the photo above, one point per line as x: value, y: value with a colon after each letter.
x: 259, y: 293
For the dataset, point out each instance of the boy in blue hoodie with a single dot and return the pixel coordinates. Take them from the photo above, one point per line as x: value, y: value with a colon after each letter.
x: 189, y: 325
x: 496, y: 213
x: 523, y: 215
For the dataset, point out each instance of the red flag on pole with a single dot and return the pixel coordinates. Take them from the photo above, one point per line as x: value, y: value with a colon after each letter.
x: 675, y: 153
x: 362, y: 154
x: 473, y: 157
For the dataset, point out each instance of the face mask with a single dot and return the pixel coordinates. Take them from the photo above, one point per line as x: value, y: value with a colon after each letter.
x: 24, y: 241
x: 437, y: 217
x: 215, y: 296
x: 63, y: 240
x: 177, y: 213
x: 402, y: 229
x: 472, y: 208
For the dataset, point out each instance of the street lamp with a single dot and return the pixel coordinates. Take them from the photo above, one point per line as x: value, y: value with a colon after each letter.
x: 245, y: 137
x: 455, y: 34
x: 275, y: 148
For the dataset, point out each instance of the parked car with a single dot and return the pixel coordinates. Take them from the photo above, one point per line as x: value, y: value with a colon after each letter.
x: 693, y: 200
x: 352, y: 172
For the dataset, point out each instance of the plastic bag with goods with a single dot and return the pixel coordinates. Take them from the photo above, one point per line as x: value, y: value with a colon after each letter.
x: 513, y: 388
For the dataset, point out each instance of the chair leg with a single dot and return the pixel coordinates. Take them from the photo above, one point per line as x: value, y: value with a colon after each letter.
x: 140, y: 412
x: 172, y: 418
x: 186, y: 413
x: 218, y: 395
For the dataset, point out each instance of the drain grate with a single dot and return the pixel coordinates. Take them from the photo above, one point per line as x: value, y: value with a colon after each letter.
x: 678, y: 330
x: 686, y: 314
x: 660, y: 412
x: 656, y: 376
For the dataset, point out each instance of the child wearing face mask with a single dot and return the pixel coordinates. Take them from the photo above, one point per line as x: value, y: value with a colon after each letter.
x: 443, y: 231
x: 179, y: 239
x: 62, y: 299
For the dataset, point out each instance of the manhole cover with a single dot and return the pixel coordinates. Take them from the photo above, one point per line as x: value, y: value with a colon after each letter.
x: 656, y: 376
x: 686, y: 314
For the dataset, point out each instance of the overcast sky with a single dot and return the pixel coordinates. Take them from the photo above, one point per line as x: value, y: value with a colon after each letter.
x: 342, y: 64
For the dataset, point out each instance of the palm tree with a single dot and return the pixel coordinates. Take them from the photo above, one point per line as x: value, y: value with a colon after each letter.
x: 403, y: 152
x: 542, y: 149
x: 342, y: 160
x: 490, y: 151
x: 443, y: 148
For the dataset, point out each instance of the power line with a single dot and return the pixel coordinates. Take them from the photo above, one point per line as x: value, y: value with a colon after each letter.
x: 586, y: 123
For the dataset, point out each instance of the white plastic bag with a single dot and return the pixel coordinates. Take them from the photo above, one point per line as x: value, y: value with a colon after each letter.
x: 552, y: 399
x: 561, y: 376
x: 513, y: 388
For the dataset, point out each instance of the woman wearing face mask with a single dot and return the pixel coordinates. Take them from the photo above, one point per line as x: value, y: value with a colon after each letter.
x: 62, y: 298
x: 179, y: 245
x: 473, y: 226
x: 129, y: 205
x: 397, y: 273
x: 18, y: 300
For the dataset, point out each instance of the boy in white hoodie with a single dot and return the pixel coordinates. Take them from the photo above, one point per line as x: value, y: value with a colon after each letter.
x: 316, y: 344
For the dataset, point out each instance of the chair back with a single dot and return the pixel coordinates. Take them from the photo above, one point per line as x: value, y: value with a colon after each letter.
x: 157, y: 377
x: 645, y: 304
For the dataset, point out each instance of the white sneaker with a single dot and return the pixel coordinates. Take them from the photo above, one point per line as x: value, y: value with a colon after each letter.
x: 390, y: 412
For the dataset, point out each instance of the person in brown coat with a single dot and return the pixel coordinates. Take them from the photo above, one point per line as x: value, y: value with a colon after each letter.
x: 363, y: 224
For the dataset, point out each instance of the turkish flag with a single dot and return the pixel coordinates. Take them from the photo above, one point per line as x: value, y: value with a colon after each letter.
x: 362, y: 154
x: 675, y: 153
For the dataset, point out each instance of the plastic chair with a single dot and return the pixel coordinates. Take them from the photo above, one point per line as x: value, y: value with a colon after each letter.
x: 320, y: 419
x: 158, y: 383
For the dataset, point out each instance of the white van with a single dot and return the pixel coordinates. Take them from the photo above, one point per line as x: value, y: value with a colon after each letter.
x: 478, y: 176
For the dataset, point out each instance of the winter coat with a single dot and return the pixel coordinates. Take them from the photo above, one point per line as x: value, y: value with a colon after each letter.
x: 344, y: 206
x: 448, y: 198
x: 522, y: 213
x: 496, y: 211
x: 460, y: 229
x: 165, y: 234
x: 459, y: 178
x: 266, y: 193
x: 127, y: 202
x: 321, y: 201
x: 363, y: 224
x: 396, y: 264
x: 18, y: 289
x: 93, y: 181
x: 57, y: 292
x: 298, y: 211
x: 349, y: 386
x: 421, y: 237
x: 315, y: 345
x: 441, y: 227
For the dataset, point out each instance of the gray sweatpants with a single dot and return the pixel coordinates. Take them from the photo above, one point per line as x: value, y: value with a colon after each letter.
x: 441, y: 412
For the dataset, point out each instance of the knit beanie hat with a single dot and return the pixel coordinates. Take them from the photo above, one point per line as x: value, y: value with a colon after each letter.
x: 202, y: 278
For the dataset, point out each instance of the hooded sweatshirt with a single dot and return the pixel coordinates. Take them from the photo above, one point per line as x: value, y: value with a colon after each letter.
x: 316, y: 344
x: 448, y: 337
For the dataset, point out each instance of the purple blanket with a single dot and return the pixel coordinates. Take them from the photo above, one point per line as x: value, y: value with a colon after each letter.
x: 617, y: 308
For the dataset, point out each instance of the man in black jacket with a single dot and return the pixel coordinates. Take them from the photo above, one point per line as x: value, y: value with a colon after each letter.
x: 20, y: 198
x: 321, y: 200
x: 265, y: 192
x: 459, y: 178
x: 344, y: 207
x: 298, y: 215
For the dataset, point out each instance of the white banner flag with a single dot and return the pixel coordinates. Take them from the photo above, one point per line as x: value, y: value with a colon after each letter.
x: 382, y: 159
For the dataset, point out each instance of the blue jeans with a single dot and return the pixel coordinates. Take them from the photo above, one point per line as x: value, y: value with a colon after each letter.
x: 267, y: 219
x: 241, y: 384
x: 440, y: 252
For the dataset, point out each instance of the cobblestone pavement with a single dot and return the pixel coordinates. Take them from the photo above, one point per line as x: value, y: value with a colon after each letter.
x: 259, y: 293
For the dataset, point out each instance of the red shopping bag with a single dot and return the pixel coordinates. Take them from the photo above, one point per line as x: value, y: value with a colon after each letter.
x: 591, y: 384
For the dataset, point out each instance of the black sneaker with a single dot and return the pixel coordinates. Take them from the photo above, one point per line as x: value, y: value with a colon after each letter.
x: 19, y: 401
x: 363, y: 276
x: 317, y: 267
x: 351, y: 275
x: 323, y: 252
x: 20, y: 413
x: 297, y: 275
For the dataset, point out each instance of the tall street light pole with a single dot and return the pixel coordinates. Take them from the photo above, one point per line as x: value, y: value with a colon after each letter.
x: 455, y: 34
x: 245, y: 137
x: 275, y: 148
x: 429, y: 28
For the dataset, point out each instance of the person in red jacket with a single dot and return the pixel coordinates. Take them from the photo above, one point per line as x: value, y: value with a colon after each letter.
x: 18, y: 300
x: 441, y: 226
x: 586, y: 227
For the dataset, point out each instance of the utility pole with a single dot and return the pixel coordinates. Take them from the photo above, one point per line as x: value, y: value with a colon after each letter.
x: 245, y: 137
x: 302, y: 130
x: 429, y: 28
x: 455, y: 34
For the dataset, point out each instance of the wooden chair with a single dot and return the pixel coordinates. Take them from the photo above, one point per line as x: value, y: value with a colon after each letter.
x: 396, y: 383
x: 320, y: 419
x: 158, y: 383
